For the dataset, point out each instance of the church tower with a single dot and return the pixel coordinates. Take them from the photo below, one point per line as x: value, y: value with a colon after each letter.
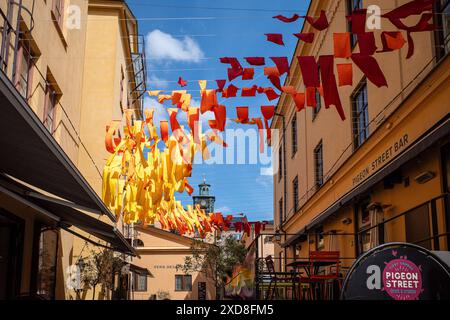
x: 204, y: 199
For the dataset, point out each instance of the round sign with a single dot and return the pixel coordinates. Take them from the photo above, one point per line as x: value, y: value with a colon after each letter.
x: 397, y: 271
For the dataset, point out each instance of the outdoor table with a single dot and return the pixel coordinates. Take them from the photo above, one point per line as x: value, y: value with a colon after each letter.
x: 306, y: 264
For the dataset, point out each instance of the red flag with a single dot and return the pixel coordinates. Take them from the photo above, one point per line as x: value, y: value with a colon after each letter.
x: 230, y: 92
x: 286, y: 19
x: 310, y: 71
x: 249, y: 92
x: 275, y: 81
x: 282, y: 64
x: 271, y: 94
x: 330, y: 90
x: 311, y: 97
x: 234, y: 73
x: 182, y: 82
x: 220, y: 84
x: 255, y: 61
x: 268, y: 112
x: 306, y: 37
x: 275, y: 38
x: 358, y: 20
x: 369, y: 66
x: 321, y: 23
x: 234, y: 62
x: 366, y: 43
x: 248, y: 74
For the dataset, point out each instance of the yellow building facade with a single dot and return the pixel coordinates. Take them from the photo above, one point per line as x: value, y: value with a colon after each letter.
x: 380, y: 176
x: 67, y: 69
x: 161, y: 252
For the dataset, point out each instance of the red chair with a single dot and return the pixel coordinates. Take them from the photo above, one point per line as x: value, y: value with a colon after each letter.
x: 329, y: 260
x: 278, y: 277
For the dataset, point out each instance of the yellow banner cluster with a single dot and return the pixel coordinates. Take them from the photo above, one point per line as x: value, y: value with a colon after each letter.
x: 140, y: 180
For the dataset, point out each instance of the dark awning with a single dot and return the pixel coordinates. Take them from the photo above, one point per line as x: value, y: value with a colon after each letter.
x: 31, y: 154
x: 66, y: 217
x: 140, y: 270
x: 433, y: 135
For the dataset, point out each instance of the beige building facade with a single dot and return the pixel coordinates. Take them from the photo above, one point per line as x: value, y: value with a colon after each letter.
x: 161, y: 253
x: 67, y: 70
x: 382, y: 174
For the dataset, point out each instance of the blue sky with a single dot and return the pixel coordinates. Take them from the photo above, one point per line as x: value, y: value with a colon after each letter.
x: 187, y: 38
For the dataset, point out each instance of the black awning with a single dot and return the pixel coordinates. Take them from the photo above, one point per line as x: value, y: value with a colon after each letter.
x: 67, y: 217
x: 439, y: 131
x: 140, y: 270
x: 30, y: 153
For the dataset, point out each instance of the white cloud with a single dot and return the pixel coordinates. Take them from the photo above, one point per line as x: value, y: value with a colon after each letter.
x: 223, y: 209
x: 163, y: 46
x: 265, y: 181
x: 157, y: 83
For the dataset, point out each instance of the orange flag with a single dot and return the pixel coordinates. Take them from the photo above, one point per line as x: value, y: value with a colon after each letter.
x: 342, y: 45
x: 164, y: 127
x: 345, y: 74
x: 209, y: 100
x: 299, y: 100
x: 242, y: 114
x: 220, y: 113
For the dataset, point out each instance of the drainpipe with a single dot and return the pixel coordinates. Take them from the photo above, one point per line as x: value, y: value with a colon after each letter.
x: 284, y: 177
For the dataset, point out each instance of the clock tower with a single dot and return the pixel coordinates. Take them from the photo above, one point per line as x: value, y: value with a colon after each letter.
x: 204, y: 199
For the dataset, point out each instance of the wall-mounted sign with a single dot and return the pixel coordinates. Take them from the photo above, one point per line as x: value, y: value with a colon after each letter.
x: 397, y: 271
x: 381, y: 159
x: 158, y: 266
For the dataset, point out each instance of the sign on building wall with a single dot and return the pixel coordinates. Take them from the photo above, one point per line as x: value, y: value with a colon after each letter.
x: 397, y: 271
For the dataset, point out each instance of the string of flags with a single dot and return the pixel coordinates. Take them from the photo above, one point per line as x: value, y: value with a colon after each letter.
x: 140, y: 181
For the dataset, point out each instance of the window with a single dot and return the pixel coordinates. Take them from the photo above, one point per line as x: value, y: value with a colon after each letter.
x: 280, y: 211
x: 353, y: 5
x: 320, y: 239
x: 370, y: 229
x: 360, y: 115
x: 24, y: 68
x: 295, y: 193
x: 58, y: 12
x: 183, y: 282
x: 294, y: 134
x: 140, y: 282
x: 51, y: 100
x: 443, y: 27
x: 318, y: 164
x: 47, y: 250
x: 122, y: 79
x: 280, y: 163
x: 318, y: 104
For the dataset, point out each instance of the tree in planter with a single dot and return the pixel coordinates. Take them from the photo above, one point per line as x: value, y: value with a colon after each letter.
x: 215, y: 261
x: 99, y: 269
